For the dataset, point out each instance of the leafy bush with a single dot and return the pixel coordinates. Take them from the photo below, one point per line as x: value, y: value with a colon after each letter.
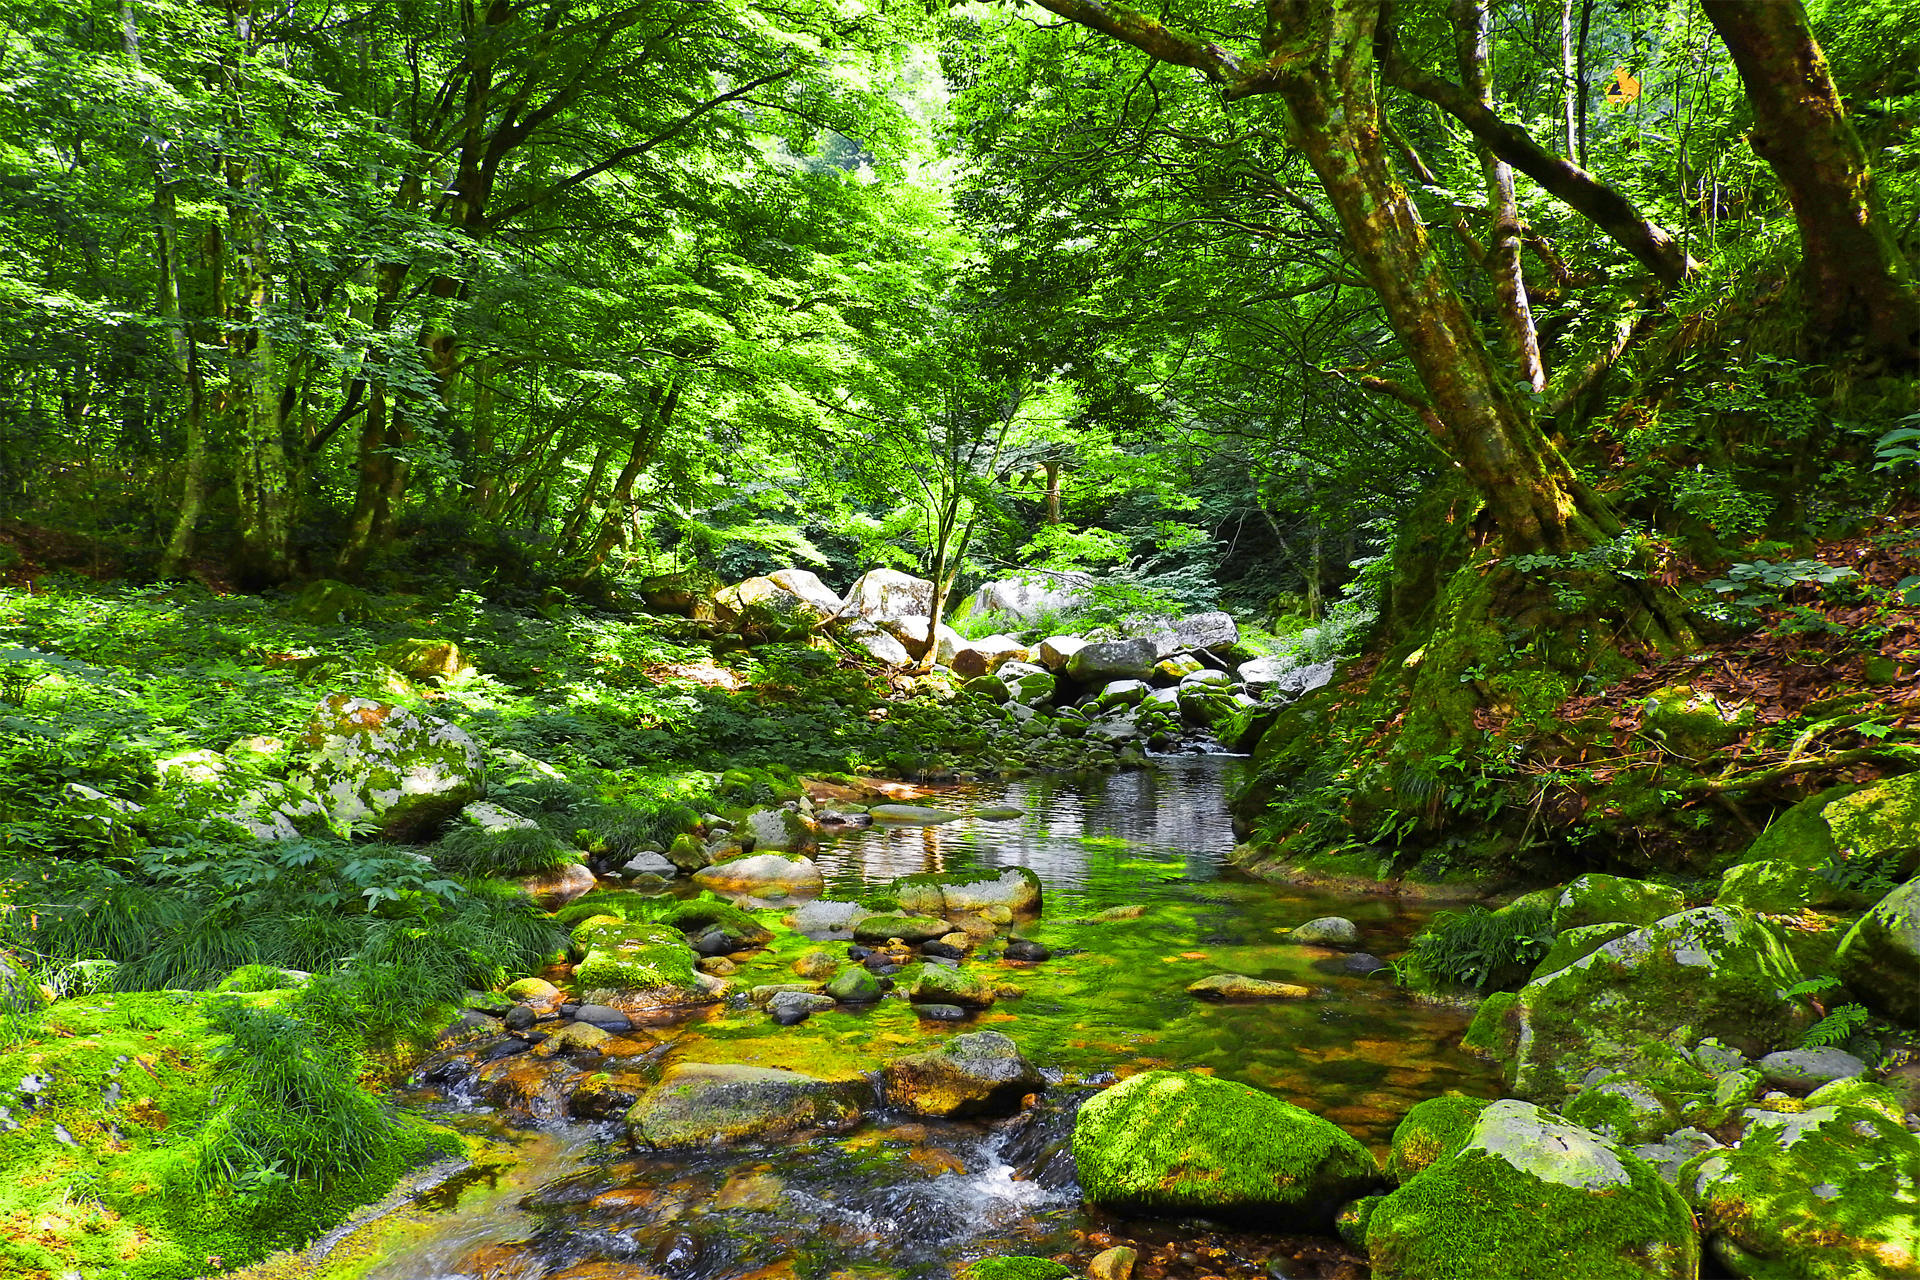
x: 513, y: 851
x: 1480, y: 949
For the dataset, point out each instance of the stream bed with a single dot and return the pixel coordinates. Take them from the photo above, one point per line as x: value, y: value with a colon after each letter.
x: 550, y: 1198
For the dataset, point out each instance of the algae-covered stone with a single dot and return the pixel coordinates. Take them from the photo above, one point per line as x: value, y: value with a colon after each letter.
x: 854, y: 985
x: 1172, y: 1142
x: 698, y: 1105
x: 762, y: 608
x: 1828, y: 1193
x: 1804, y: 1070
x: 1879, y: 959
x: 1016, y: 1267
x: 1712, y: 971
x: 425, y: 659
x: 911, y: 815
x: 1326, y: 931
x: 1495, y: 1029
x: 763, y: 875
x: 1601, y: 899
x: 1017, y: 889
x: 1858, y: 1091
x: 1433, y: 1128
x: 1527, y: 1196
x: 779, y: 830
x: 1772, y: 886
x: 1108, y: 660
x: 1572, y: 944
x: 938, y: 984
x: 981, y: 1074
x: 1876, y: 823
x: 377, y: 763
x: 634, y: 967
x: 911, y: 929
x: 1238, y: 986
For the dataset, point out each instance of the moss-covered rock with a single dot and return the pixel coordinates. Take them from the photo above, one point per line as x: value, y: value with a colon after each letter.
x: 1572, y: 944
x: 1017, y: 1267
x: 980, y: 1074
x: 1494, y: 1031
x: 436, y: 660
x: 373, y: 762
x: 948, y: 894
x: 940, y: 984
x: 762, y: 609
x: 1694, y: 723
x: 1527, y: 1196
x: 909, y: 929
x: 1599, y: 899
x: 1879, y: 823
x: 1880, y: 957
x: 1622, y: 1108
x: 854, y: 985
x: 763, y: 875
x: 1824, y: 1194
x: 700, y: 1105
x: 1170, y: 1142
x: 1350, y: 1224
x: 779, y: 830
x: 637, y: 966
x: 1775, y: 887
x: 1433, y: 1128
x: 1712, y: 971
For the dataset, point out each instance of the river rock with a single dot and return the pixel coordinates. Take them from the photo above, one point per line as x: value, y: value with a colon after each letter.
x: 1571, y: 944
x: 1879, y: 959
x: 791, y: 1007
x: 1326, y: 931
x: 1122, y: 693
x: 1712, y: 971
x: 887, y: 595
x: 1621, y: 1108
x: 551, y: 890
x: 854, y: 985
x: 686, y: 592
x: 1173, y: 670
x: 605, y: 1017
x: 760, y: 607
x: 911, y: 814
x: 1600, y: 899
x: 938, y: 984
x: 911, y: 929
x: 1025, y: 950
x: 827, y: 920
x: 634, y: 967
x: 1029, y: 598
x: 1804, y: 1070
x: 1017, y: 889
x: 942, y: 1012
x: 1207, y: 676
x: 701, y: 1105
x: 1030, y: 688
x: 986, y: 656
x: 763, y: 875
x: 1056, y: 651
x: 780, y: 830
x: 875, y: 643
x: 1824, y: 1194
x: 1110, y: 660
x: 1237, y: 986
x: 1178, y: 1143
x: 981, y: 1074
x: 808, y: 587
x: 1772, y: 886
x: 377, y: 763
x: 1215, y: 630
x: 1205, y: 705
x: 1523, y: 1196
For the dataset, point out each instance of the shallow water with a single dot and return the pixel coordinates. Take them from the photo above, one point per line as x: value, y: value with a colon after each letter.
x: 570, y: 1201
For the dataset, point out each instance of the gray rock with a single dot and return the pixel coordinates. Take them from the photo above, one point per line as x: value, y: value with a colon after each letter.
x: 1715, y: 1058
x: 877, y: 644
x: 827, y: 920
x: 1327, y: 931
x: 649, y: 862
x: 1207, y: 676
x: 1880, y: 956
x: 1667, y: 1155
x: 985, y: 656
x: 1214, y: 630
x: 1111, y: 660
x: 808, y: 587
x: 789, y: 1007
x: 941, y: 1012
x: 1027, y: 598
x: 911, y: 814
x: 887, y: 595
x: 1122, y: 693
x: 1804, y: 1070
x: 605, y: 1017
x: 379, y: 763
x: 1056, y: 651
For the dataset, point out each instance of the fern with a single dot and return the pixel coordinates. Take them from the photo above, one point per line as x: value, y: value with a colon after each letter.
x: 1812, y: 986
x: 1837, y: 1028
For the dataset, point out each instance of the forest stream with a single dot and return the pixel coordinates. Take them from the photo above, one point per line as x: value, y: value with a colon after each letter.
x: 906, y: 1196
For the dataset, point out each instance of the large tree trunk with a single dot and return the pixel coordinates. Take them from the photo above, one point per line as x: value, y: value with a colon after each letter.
x: 1857, y: 285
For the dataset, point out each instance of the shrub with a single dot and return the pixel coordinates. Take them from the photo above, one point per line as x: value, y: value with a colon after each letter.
x: 1480, y: 949
x: 515, y: 851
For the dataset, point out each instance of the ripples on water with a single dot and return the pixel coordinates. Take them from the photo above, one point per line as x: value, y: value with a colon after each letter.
x: 571, y: 1202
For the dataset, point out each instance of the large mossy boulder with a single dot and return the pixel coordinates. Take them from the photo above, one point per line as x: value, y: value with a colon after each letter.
x: 1600, y: 899
x: 221, y: 791
x: 699, y: 1105
x: 1829, y: 1193
x: 807, y: 585
x: 909, y: 929
x: 1879, y: 959
x: 1775, y: 887
x: 373, y: 762
x: 1434, y: 1128
x: 1178, y: 1143
x: 636, y: 967
x: 1692, y: 722
x: 1712, y: 971
x: 1527, y: 1196
x: 1849, y: 824
x: 980, y: 1074
x: 952, y: 893
x: 943, y: 984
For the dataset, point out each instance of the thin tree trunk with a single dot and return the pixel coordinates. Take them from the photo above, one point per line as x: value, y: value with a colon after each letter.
x: 1473, y: 36
x: 589, y: 495
x: 1856, y: 283
x: 1570, y: 86
x: 619, y: 514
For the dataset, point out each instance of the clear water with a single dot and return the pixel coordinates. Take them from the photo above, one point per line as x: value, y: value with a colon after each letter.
x: 568, y: 1201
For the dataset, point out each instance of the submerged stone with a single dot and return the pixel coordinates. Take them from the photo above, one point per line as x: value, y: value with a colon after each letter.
x: 1237, y: 986
x: 699, y: 1105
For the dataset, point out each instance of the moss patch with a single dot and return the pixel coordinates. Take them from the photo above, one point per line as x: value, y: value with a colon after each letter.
x: 1434, y: 1128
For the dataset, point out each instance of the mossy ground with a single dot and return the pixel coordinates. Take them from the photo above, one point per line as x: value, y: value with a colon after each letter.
x: 129, y: 1083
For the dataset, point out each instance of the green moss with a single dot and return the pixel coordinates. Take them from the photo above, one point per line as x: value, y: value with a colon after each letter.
x: 939, y: 984
x: 1693, y: 723
x: 1572, y: 944
x: 257, y: 977
x: 1473, y: 1215
x: 1017, y: 1268
x: 1800, y: 837
x: 1493, y: 1031
x: 1600, y: 899
x: 641, y: 960
x: 1350, y: 1224
x: 1623, y: 1108
x: 1434, y: 1128
x: 1766, y: 885
x: 129, y: 1079
x: 1176, y: 1142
